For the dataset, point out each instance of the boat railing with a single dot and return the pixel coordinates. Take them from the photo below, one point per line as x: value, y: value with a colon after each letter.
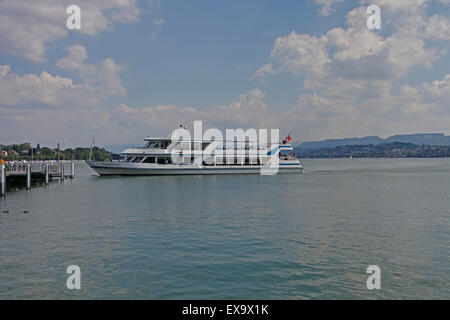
x: 35, y: 166
x: 239, y: 146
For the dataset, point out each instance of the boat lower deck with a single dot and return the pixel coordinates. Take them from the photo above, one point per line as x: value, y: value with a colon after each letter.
x: 115, y: 168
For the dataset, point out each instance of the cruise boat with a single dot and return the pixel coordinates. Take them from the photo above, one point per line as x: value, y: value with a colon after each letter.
x: 170, y: 156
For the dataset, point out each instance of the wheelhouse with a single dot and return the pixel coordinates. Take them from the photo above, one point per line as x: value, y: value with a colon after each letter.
x: 157, y: 143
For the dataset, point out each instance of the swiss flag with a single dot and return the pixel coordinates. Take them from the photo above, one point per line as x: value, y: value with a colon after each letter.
x: 288, y: 138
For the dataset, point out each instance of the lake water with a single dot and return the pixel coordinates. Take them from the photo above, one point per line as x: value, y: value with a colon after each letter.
x: 301, y: 236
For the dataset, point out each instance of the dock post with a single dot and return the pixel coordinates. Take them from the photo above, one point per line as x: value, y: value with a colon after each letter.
x: 62, y: 171
x: 28, y: 176
x: 46, y: 173
x: 72, y: 172
x: 2, y: 180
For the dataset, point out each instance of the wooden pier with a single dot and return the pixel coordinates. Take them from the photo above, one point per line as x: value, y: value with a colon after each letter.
x: 38, y: 170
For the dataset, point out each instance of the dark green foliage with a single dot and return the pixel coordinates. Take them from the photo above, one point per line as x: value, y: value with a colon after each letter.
x: 45, y: 153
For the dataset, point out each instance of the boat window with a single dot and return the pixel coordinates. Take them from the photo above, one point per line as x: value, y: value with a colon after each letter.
x: 157, y: 144
x: 150, y: 145
x: 205, y: 144
x: 138, y: 159
x: 164, y: 144
x: 164, y: 160
x: 149, y: 160
x: 129, y: 158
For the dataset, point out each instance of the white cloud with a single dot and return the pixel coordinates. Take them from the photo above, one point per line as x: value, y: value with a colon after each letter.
x: 351, y: 73
x: 352, y: 53
x: 44, y: 89
x: 124, y: 123
x: 438, y: 92
x: 27, y: 27
x: 249, y: 111
x: 48, y: 126
x: 398, y: 5
x: 105, y: 78
x: 409, y: 110
x: 41, y: 89
x: 437, y: 27
x: 327, y: 6
x: 75, y: 61
x: 266, y: 69
x: 314, y: 116
x: 301, y: 53
x: 438, y: 88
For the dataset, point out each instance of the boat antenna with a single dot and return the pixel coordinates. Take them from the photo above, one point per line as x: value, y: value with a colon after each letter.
x: 291, y: 133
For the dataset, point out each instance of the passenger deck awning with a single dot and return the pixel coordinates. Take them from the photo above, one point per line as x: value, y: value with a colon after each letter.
x: 157, y: 139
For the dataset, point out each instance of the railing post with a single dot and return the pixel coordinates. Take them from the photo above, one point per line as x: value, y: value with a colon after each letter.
x: 2, y: 180
x: 72, y: 173
x: 47, y: 165
x: 28, y: 176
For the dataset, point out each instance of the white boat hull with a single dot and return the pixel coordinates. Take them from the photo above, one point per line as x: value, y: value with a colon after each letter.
x: 139, y: 169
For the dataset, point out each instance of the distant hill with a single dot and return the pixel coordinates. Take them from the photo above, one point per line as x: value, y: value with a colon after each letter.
x: 383, y: 150
x: 432, y: 139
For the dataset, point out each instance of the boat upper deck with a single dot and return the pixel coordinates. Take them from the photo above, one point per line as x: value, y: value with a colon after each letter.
x: 167, y: 146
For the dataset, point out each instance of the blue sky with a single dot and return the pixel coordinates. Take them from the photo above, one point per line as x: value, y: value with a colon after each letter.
x: 138, y: 68
x: 206, y: 51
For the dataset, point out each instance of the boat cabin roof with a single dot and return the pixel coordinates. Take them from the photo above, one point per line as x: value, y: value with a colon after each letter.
x: 157, y: 139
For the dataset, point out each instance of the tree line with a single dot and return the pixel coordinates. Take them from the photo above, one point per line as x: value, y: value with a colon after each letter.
x: 25, y: 151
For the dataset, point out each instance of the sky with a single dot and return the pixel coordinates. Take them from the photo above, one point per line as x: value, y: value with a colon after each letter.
x: 142, y: 67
